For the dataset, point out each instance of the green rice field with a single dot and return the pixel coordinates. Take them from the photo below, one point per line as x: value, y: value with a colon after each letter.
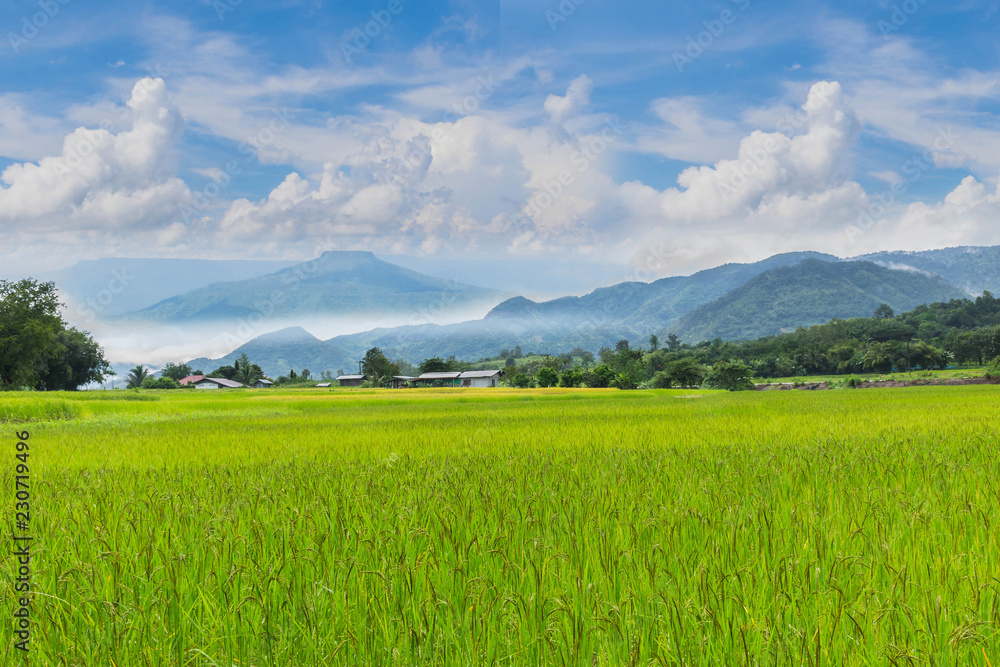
x: 509, y: 527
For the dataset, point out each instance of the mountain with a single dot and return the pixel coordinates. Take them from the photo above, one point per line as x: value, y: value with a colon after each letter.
x: 114, y: 286
x: 974, y: 269
x: 812, y: 292
x: 355, y: 284
x: 280, y: 351
x: 637, y: 309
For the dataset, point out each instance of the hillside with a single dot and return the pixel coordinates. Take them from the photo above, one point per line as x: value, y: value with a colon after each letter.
x: 351, y: 284
x: 115, y: 286
x: 813, y: 292
x: 974, y: 269
x: 280, y: 351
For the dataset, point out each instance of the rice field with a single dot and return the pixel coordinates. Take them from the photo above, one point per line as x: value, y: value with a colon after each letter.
x: 510, y: 527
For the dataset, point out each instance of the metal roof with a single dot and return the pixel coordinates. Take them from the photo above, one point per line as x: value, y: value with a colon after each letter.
x: 352, y: 377
x: 403, y: 377
x: 323, y: 384
x: 262, y: 381
x: 440, y: 376
x: 221, y: 381
x: 480, y: 374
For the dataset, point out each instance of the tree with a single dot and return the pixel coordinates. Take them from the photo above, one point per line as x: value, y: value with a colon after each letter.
x: 621, y: 345
x: 224, y: 372
x: 247, y: 373
x: 547, y: 377
x: 686, y: 372
x: 305, y: 374
x: 654, y: 343
x: 160, y: 383
x: 599, y: 377
x: 292, y: 374
x: 176, y: 371
x: 521, y: 381
x: 510, y: 363
x: 434, y: 365
x: 884, y: 312
x: 673, y: 342
x: 570, y: 378
x: 517, y: 354
x: 731, y: 375
x: 135, y: 377
x: 75, y: 360
x: 377, y: 367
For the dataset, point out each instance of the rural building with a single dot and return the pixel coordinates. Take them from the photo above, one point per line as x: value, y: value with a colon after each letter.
x: 217, y: 383
x: 323, y: 385
x: 400, y: 381
x: 191, y: 378
x: 351, y: 380
x: 450, y: 379
x: 262, y: 384
x: 480, y: 379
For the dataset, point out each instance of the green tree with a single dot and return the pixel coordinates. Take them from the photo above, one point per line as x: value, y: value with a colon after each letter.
x: 135, y: 377
x: 151, y: 382
x: 434, y: 365
x: 673, y: 342
x: 572, y: 377
x: 247, y: 372
x: 521, y: 381
x: 730, y: 375
x: 884, y: 312
x: 599, y: 377
x: 686, y: 372
x: 305, y: 374
x: 377, y: 367
x: 224, y: 372
x: 176, y: 371
x: 547, y: 377
x: 654, y: 343
x: 36, y: 347
x: 517, y: 354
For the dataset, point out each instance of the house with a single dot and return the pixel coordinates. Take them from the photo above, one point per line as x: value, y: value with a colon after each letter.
x: 191, y: 379
x: 480, y: 379
x: 351, y: 380
x: 400, y: 381
x: 450, y: 379
x: 323, y: 385
x: 262, y: 384
x: 217, y: 383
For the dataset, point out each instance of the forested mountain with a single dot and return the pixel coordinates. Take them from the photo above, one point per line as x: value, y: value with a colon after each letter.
x: 812, y: 292
x: 350, y: 284
x: 975, y: 269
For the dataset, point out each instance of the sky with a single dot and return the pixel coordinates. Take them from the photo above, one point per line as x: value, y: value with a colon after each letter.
x: 661, y: 137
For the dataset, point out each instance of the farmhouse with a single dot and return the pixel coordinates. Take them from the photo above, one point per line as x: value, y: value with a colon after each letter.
x: 191, y: 378
x: 262, y: 384
x: 217, y: 383
x: 480, y: 379
x: 351, y: 380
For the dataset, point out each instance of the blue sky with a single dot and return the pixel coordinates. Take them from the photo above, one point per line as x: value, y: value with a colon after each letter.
x: 659, y: 137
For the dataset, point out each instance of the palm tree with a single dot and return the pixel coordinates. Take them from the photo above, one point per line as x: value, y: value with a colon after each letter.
x: 135, y: 377
x: 246, y: 372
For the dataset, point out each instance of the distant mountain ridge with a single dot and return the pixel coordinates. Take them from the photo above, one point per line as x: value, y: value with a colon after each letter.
x: 338, y: 283
x: 812, y: 292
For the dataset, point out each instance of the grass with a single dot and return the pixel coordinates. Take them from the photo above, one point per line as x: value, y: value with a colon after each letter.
x: 513, y: 527
x: 958, y: 372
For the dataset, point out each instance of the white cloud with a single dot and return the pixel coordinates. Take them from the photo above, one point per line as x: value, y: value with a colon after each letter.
x: 576, y: 98
x: 102, y: 180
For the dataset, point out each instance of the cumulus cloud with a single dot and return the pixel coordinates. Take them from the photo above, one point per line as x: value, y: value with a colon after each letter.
x: 101, y: 180
x: 576, y: 98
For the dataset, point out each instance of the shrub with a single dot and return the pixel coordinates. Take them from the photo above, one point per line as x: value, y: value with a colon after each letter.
x: 160, y: 383
x: 547, y: 377
x: 993, y: 369
x: 521, y: 381
x: 731, y: 375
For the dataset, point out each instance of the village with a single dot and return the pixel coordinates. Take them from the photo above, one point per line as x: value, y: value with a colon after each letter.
x: 473, y: 379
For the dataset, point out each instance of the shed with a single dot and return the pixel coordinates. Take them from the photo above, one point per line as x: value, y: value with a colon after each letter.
x: 449, y: 378
x: 480, y: 379
x: 351, y: 380
x: 262, y: 384
x: 323, y: 385
x: 400, y: 381
x: 217, y: 383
